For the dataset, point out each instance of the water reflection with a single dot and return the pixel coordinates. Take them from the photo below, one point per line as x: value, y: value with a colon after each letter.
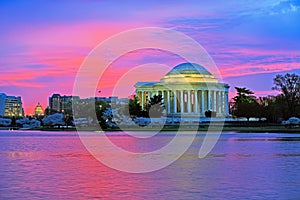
x: 57, y: 166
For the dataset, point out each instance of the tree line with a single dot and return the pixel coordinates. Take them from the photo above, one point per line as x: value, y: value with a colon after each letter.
x: 274, y: 108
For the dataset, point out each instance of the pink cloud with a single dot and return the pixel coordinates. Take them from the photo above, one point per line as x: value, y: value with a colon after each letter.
x: 83, y: 34
x: 248, y: 69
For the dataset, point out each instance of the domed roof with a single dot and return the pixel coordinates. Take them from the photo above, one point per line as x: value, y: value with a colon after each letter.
x: 189, y: 68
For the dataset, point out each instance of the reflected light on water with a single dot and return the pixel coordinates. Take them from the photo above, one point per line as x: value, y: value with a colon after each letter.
x: 57, y: 166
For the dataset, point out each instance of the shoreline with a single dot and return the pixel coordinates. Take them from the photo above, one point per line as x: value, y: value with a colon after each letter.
x: 201, y: 129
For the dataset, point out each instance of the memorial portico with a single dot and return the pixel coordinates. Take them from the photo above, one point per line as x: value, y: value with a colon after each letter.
x: 188, y: 90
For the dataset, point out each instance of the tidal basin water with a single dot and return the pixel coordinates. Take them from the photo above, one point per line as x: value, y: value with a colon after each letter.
x: 56, y: 165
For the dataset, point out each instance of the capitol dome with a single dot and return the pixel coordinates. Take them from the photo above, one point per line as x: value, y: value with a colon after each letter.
x: 38, y: 111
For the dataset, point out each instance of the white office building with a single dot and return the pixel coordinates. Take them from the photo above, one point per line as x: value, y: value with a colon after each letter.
x: 11, y: 106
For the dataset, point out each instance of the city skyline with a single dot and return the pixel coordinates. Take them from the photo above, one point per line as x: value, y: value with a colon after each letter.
x: 43, y: 45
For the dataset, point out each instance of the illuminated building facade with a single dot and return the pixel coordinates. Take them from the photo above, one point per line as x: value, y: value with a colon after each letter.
x: 61, y: 104
x: 188, y: 90
x: 11, y: 106
x: 38, y: 111
x: 55, y: 103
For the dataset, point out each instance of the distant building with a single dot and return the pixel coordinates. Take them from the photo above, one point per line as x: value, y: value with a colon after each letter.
x: 38, y: 111
x: 109, y: 100
x: 123, y: 101
x: 11, y: 106
x: 66, y: 104
x: 61, y: 104
x: 2, y: 104
x: 55, y: 103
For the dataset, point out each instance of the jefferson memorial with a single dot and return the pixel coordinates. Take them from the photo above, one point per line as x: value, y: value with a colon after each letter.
x: 188, y: 90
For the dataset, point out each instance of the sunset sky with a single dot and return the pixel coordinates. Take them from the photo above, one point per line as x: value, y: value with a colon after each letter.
x: 43, y: 43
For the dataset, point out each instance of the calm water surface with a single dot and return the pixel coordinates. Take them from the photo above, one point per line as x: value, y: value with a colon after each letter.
x: 55, y: 165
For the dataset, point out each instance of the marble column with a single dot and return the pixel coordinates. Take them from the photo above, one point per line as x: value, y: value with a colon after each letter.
x: 214, y: 101
x: 175, y: 101
x: 138, y: 93
x: 164, y: 98
x: 219, y: 103
x: 169, y: 102
x: 181, y: 102
x: 222, y: 103
x: 189, y: 101
x: 196, y: 101
x: 202, y: 102
x: 226, y: 104
x: 143, y: 102
x: 208, y: 100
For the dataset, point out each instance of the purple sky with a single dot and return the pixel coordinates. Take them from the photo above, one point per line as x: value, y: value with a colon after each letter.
x: 43, y: 43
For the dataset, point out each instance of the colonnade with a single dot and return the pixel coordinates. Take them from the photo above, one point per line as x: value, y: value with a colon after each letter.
x: 189, y: 101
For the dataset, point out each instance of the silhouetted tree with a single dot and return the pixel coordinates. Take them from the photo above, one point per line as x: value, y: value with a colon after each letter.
x: 68, y: 120
x: 134, y: 107
x: 274, y: 108
x: 13, y: 121
x: 245, y: 104
x: 100, y: 107
x: 49, y: 111
x: 244, y: 95
x: 155, y: 106
x: 247, y: 110
x: 289, y: 85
